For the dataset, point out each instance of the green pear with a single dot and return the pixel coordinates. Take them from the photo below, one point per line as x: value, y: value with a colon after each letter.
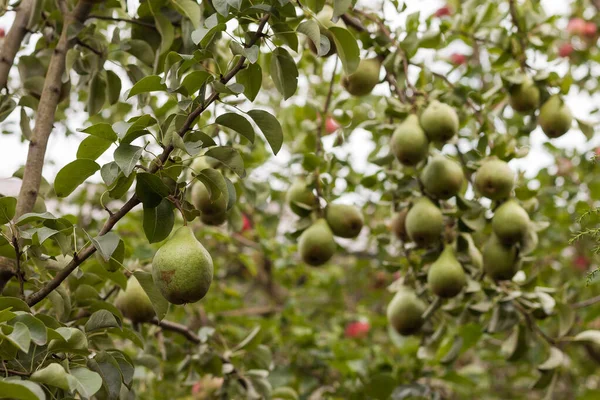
x: 440, y: 122
x: 524, y: 97
x: 500, y: 261
x: 494, y: 179
x: 399, y: 225
x: 182, y: 268
x: 214, y: 212
x: 405, y: 312
x: 446, y: 277
x: 345, y: 221
x: 324, y: 20
x: 409, y: 143
x: 39, y: 206
x: 510, y: 222
x: 555, y: 117
x: 442, y: 178
x: 134, y: 303
x: 424, y: 223
x: 316, y: 244
x: 301, y: 199
x: 362, y: 81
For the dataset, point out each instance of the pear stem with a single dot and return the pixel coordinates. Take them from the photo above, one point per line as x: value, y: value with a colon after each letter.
x: 177, y: 205
x: 433, y: 307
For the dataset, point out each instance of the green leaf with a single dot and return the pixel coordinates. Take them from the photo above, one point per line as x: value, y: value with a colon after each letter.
x: 37, y: 328
x: 140, y: 49
x: 311, y: 29
x: 102, y: 130
x: 8, y: 206
x: 71, y: 339
x: 586, y: 128
x: 284, y: 72
x: 87, y: 382
x: 251, y: 78
x: 6, y: 108
x: 113, y: 87
x: 194, y: 81
x: 106, y: 244
x: 165, y: 28
x: 128, y: 334
x: 190, y: 9
x: 122, y: 186
x: 250, y: 341
x: 347, y: 48
x: 221, y: 6
x: 589, y: 336
x: 238, y: 123
x: 53, y: 375
x: 20, y: 337
x: 72, y: 175
x: 30, y: 217
x: 159, y: 303
x: 229, y: 157
x: 14, y: 304
x: 270, y: 127
x: 554, y: 360
x: 158, y: 221
x: 21, y: 390
x: 92, y: 147
x: 101, y: 319
x: 126, y: 156
x: 147, y: 84
x: 340, y: 7
x: 97, y: 95
x: 150, y: 189
x: 214, y: 182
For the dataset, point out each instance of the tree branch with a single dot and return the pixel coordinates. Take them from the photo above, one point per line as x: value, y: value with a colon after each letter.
x: 179, y: 328
x: 13, y: 39
x: 588, y: 302
x: 86, y: 252
x: 520, y: 33
x: 129, y: 21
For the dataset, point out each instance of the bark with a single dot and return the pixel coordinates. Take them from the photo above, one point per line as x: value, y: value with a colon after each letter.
x: 13, y: 39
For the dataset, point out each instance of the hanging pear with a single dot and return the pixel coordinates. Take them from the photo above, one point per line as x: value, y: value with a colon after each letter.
x: 440, y: 122
x: 424, y: 223
x: 300, y: 198
x: 510, y: 222
x: 442, y: 177
x: 362, y: 81
x: 214, y: 212
x: 409, y: 143
x: 405, y: 312
x: 494, y: 179
x: 524, y: 97
x: 446, y: 277
x: 500, y: 261
x: 316, y: 244
x: 134, y: 303
x: 182, y: 269
x: 345, y: 220
x: 399, y: 225
x: 555, y: 117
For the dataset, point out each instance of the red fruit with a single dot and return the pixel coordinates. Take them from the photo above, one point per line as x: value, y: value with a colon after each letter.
x: 331, y: 125
x: 597, y: 151
x: 458, y: 59
x: 576, y: 26
x: 197, y: 387
x: 590, y: 29
x: 2, y: 32
x: 246, y: 223
x: 565, y: 50
x: 443, y: 12
x: 357, y: 329
x: 581, y: 263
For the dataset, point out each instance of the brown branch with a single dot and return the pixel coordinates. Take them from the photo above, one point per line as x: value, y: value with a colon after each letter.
x: 13, y: 372
x: 129, y: 21
x: 86, y: 252
x: 533, y: 326
x: 13, y: 39
x: 250, y: 311
x: 44, y: 119
x: 179, y: 328
x: 590, y: 301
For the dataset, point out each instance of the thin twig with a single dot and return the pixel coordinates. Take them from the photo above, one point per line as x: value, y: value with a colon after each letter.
x: 533, y: 326
x: 250, y: 311
x: 586, y: 303
x: 129, y: 21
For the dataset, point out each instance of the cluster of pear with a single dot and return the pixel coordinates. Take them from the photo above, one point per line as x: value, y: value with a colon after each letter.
x: 316, y: 244
x: 554, y: 116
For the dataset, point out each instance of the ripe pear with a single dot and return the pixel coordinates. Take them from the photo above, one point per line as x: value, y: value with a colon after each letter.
x: 399, y: 225
x: 494, y: 179
x: 555, y: 117
x: 424, y: 223
x: 301, y: 199
x: 510, y: 222
x: 316, y: 244
x: 500, y: 261
x: 440, y: 122
x: 324, y: 19
x: 524, y: 97
x: 345, y: 221
x: 214, y: 212
x: 409, y: 142
x: 446, y: 277
x: 182, y: 268
x: 405, y: 312
x: 442, y: 177
x: 134, y: 303
x: 362, y: 81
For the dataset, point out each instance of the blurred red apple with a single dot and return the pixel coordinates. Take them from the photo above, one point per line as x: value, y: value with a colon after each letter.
x: 443, y: 12
x: 565, y: 50
x: 576, y: 26
x: 2, y: 33
x: 458, y: 59
x: 357, y: 329
x: 590, y: 29
x: 331, y: 125
x: 597, y: 151
x: 564, y: 166
x: 581, y: 263
x: 246, y: 223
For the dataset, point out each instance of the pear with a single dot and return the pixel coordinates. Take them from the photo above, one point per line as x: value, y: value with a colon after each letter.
x: 524, y: 97
x: 316, y: 244
x: 300, y: 199
x: 362, y: 81
x: 409, y: 142
x: 405, y: 312
x: 182, y: 268
x: 500, y: 261
x: 134, y: 303
x: 324, y: 19
x: 555, y: 117
x: 345, y: 221
x: 424, y: 223
x: 214, y: 212
x: 442, y: 178
x: 440, y: 122
x: 494, y: 179
x: 399, y: 225
x: 446, y: 277
x: 510, y: 222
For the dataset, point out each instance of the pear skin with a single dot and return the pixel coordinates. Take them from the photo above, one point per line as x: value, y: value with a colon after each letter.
x: 362, y: 81
x: 500, y: 261
x: 134, y: 303
x: 440, y: 122
x: 524, y: 97
x: 446, y: 277
x: 301, y: 199
x: 510, y: 222
x: 442, y: 177
x: 409, y: 143
x: 182, y: 268
x: 424, y: 223
x: 345, y: 221
x: 494, y: 179
x: 555, y: 117
x: 214, y: 212
x: 405, y: 312
x: 316, y: 244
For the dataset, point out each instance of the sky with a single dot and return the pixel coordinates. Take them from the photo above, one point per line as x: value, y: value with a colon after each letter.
x: 62, y: 149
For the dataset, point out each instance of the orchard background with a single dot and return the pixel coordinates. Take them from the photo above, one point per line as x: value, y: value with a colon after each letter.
x: 124, y: 121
